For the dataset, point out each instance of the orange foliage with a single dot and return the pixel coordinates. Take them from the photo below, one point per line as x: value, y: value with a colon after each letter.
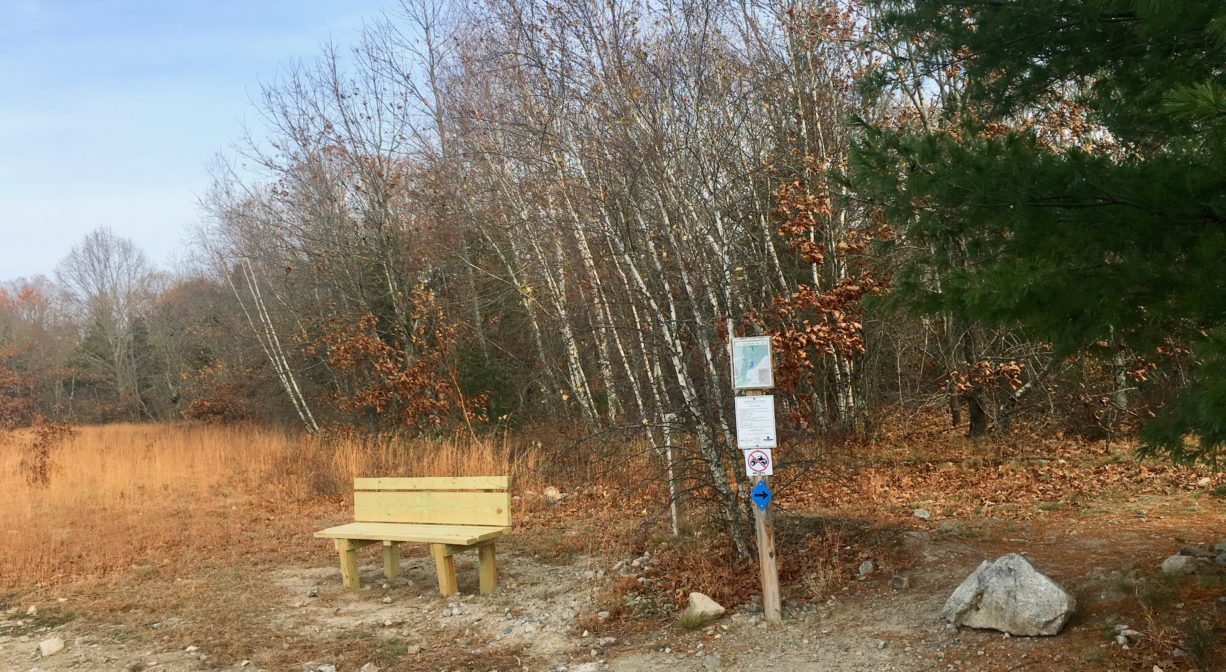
x: 811, y: 322
x: 408, y: 385
x: 215, y: 396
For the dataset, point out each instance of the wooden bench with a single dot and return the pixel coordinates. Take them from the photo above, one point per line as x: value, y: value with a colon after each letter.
x: 450, y: 514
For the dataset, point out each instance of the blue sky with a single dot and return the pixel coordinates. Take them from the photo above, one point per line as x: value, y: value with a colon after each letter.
x: 110, y: 111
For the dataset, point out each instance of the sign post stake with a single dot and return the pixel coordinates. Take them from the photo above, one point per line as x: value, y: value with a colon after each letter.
x: 753, y: 375
x: 764, y: 530
x: 764, y: 527
x: 672, y: 481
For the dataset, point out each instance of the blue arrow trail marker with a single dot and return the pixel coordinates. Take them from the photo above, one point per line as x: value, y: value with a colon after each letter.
x: 761, y: 495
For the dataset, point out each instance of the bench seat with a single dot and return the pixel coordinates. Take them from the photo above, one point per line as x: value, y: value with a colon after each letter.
x: 459, y: 535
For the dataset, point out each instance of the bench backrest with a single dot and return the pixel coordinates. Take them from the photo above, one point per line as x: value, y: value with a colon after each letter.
x: 474, y: 500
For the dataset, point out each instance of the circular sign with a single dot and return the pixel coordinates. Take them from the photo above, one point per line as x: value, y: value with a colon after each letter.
x: 758, y: 462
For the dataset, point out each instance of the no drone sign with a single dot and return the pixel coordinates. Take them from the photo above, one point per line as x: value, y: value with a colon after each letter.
x: 759, y: 462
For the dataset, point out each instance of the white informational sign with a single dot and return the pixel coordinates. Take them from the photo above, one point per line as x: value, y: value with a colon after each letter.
x: 759, y: 462
x: 755, y: 422
x: 751, y: 363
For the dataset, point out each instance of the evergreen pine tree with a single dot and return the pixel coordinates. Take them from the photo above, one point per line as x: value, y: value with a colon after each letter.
x: 1077, y: 189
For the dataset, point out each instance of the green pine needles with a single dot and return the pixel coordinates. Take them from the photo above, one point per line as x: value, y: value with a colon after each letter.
x: 1060, y: 166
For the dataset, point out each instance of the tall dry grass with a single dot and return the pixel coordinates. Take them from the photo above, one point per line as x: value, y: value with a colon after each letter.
x: 169, y: 497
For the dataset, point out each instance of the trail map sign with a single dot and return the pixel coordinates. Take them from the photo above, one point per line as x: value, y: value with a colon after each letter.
x: 758, y: 462
x: 755, y: 422
x: 751, y: 363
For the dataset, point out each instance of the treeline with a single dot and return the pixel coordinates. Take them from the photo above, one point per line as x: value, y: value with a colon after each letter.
x: 520, y: 211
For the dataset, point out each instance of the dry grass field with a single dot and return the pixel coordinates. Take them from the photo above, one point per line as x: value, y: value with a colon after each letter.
x: 121, y: 496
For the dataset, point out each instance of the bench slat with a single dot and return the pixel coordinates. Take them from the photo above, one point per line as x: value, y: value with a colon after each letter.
x: 428, y: 534
x: 432, y: 483
x: 439, y: 508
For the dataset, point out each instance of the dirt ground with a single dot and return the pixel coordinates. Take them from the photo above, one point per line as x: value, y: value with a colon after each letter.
x: 547, y: 611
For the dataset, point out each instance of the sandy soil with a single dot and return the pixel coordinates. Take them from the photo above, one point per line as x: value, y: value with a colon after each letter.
x: 544, y: 615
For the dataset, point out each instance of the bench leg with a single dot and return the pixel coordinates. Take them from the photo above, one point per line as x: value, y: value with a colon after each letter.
x: 489, y: 569
x: 444, y: 564
x: 391, y: 559
x: 349, y: 563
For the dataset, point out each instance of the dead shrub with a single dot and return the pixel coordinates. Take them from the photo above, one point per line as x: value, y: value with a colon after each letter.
x: 36, y: 458
x: 709, y: 565
x: 820, y: 571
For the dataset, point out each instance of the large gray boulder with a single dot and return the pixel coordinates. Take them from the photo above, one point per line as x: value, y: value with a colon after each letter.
x: 1011, y: 596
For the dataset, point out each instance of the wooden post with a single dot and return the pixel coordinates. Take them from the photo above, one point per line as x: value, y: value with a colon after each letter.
x: 764, y: 530
x: 349, y: 563
x: 669, y: 418
x: 391, y: 559
x: 488, y: 568
x: 444, y: 566
x: 764, y: 527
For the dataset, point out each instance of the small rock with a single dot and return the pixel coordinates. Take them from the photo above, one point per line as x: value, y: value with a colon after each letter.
x: 866, y: 568
x: 369, y: 667
x: 922, y: 514
x: 1121, y: 640
x: 1177, y: 565
x: 880, y: 644
x: 192, y: 649
x: 1220, y: 560
x: 900, y: 582
x: 32, y: 611
x: 387, y: 600
x: 552, y: 495
x: 245, y: 663
x: 50, y: 647
x: 589, y: 575
x: 413, y: 650
x: 602, y: 615
x: 1131, y: 634
x: 318, y: 667
x: 312, y: 593
x: 702, y: 607
x: 711, y: 661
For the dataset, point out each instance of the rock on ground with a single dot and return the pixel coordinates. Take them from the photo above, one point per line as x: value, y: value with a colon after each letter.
x: 1179, y: 564
x: 50, y: 647
x: 701, y: 606
x: 1011, y: 596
